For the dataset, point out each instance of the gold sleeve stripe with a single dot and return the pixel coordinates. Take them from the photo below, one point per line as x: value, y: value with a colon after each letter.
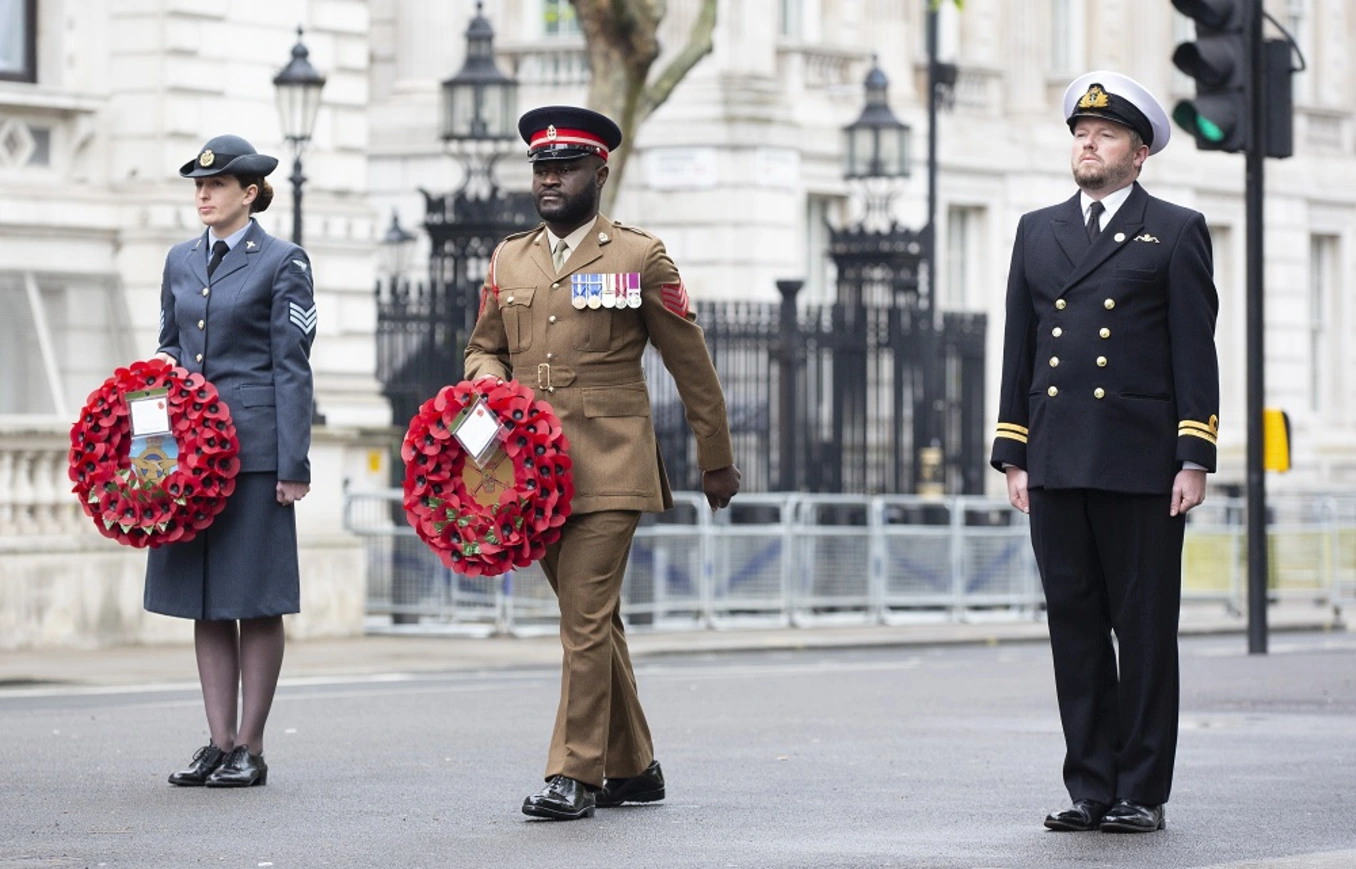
x: 1199, y: 426
x: 1205, y: 436
x: 1013, y: 427
x: 1013, y: 435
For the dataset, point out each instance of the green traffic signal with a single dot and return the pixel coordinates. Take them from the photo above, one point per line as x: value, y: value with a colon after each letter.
x: 1209, y: 129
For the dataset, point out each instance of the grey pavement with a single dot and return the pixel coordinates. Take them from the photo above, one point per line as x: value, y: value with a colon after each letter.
x: 424, y: 651
x: 846, y: 750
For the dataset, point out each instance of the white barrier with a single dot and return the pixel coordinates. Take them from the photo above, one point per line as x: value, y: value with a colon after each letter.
x: 805, y: 560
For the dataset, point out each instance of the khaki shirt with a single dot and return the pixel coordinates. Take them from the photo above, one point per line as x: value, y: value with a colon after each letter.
x: 587, y: 363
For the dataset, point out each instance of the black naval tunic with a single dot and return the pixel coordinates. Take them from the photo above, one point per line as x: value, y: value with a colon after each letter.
x: 1110, y: 383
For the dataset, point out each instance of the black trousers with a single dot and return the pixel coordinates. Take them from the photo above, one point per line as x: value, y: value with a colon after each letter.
x: 1112, y: 563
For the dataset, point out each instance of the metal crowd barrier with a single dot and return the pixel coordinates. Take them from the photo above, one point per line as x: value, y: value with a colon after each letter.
x: 796, y: 559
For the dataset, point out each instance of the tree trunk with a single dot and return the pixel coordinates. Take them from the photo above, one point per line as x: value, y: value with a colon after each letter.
x: 623, y: 44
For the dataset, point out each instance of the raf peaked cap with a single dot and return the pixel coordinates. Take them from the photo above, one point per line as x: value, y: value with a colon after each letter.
x: 567, y: 133
x: 1119, y: 98
x: 228, y: 155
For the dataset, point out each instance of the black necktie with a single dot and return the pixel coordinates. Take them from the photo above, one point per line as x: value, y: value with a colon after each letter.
x: 1094, y: 220
x: 218, y: 251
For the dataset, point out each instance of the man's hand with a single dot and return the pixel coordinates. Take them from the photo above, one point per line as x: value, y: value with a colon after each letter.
x: 720, y: 486
x: 290, y: 492
x: 1017, y: 489
x: 1188, y: 490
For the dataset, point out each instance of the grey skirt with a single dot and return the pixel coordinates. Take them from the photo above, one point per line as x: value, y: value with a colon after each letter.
x: 243, y: 566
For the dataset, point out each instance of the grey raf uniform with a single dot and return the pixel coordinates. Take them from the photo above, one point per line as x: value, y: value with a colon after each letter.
x: 248, y: 330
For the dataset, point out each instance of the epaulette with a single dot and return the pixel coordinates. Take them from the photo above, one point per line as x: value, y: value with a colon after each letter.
x: 637, y: 230
x: 522, y: 234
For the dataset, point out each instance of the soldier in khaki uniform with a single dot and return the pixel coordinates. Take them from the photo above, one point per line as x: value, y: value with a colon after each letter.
x: 568, y: 308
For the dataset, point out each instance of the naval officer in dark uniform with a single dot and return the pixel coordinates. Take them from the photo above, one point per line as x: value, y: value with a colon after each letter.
x: 237, y: 305
x: 1107, y: 424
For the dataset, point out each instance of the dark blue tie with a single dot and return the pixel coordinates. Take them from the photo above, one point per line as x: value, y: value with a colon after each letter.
x: 1094, y: 220
x: 219, y: 250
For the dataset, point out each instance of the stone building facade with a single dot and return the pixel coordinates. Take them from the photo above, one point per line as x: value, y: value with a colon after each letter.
x: 739, y: 172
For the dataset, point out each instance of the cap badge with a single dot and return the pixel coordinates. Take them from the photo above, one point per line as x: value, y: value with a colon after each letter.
x: 1095, y: 98
x: 206, y: 158
x: 551, y: 132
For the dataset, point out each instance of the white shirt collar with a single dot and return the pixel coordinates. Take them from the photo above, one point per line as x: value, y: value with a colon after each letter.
x: 1112, y: 202
x: 574, y: 239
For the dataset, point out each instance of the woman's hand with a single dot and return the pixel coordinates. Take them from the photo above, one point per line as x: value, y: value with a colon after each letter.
x: 290, y: 492
x: 165, y: 357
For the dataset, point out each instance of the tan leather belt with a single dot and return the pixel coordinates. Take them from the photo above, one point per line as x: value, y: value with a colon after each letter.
x: 551, y: 377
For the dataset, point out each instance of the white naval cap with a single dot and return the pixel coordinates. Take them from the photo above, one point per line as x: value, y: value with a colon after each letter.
x: 1115, y: 97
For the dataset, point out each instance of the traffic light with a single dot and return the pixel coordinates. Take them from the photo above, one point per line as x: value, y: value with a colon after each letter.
x: 1217, y: 60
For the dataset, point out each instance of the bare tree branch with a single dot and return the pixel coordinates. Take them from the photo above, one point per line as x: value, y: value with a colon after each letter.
x: 699, y: 45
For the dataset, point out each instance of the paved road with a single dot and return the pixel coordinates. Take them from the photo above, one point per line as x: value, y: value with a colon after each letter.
x: 941, y: 757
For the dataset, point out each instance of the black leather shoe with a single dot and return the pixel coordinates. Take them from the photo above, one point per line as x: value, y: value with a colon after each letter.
x: 648, y: 787
x: 240, y: 770
x: 563, y: 799
x: 1130, y: 817
x: 205, y: 761
x: 1082, y: 816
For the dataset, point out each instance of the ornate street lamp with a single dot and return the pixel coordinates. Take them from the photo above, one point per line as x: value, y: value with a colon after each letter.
x: 396, y: 247
x: 876, y: 149
x: 298, y: 88
x: 480, y: 111
x: 877, y: 143
x: 480, y: 103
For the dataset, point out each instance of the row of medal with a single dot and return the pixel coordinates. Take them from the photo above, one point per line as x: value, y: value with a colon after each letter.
x: 620, y: 290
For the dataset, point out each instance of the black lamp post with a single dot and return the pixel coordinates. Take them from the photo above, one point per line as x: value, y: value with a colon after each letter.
x: 396, y: 246
x: 876, y: 147
x: 298, y: 88
x: 480, y: 106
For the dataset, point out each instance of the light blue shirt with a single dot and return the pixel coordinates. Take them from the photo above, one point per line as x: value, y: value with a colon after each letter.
x: 231, y: 240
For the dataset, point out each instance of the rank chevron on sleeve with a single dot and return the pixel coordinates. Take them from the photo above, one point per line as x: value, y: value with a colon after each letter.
x: 303, y: 318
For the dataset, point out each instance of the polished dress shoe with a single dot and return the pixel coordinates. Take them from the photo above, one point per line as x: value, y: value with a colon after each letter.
x: 240, y: 770
x: 205, y: 761
x: 1082, y: 816
x: 563, y: 799
x: 648, y: 787
x: 1131, y: 817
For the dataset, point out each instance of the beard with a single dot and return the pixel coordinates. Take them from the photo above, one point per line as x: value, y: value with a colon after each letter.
x: 570, y: 210
x: 1104, y: 176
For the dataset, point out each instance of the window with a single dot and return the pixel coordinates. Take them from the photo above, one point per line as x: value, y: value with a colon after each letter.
x: 820, y: 275
x: 964, y: 266
x: 1066, y: 37
x: 792, y: 16
x: 18, y: 40
x: 1323, y: 292
x: 558, y: 18
x: 1301, y: 25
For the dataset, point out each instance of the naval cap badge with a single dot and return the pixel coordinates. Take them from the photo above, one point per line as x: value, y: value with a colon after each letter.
x: 1095, y: 98
x: 206, y: 158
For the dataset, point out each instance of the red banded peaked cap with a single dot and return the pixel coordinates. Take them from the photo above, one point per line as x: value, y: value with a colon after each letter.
x: 568, y: 133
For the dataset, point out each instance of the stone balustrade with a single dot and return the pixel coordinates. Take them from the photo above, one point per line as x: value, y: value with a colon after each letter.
x: 36, y: 503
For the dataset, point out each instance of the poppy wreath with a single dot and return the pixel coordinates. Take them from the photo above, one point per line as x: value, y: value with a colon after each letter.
x: 140, y: 512
x: 471, y: 536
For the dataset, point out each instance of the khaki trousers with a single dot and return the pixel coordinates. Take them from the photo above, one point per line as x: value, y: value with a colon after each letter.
x: 600, y: 728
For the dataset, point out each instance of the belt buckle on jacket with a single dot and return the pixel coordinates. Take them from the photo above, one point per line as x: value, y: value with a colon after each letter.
x: 544, y: 376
